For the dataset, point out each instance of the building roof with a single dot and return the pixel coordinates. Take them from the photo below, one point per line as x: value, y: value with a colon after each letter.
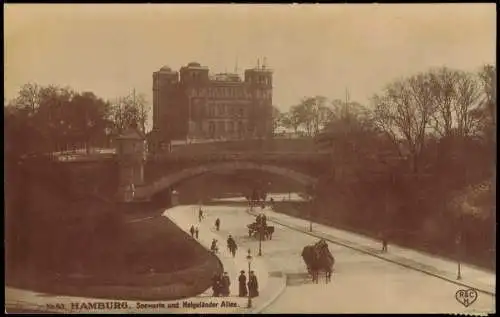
x: 231, y: 77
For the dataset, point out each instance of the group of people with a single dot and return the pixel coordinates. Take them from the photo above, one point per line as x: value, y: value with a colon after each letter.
x: 194, y: 231
x: 253, y: 285
x: 221, y: 284
x: 261, y: 219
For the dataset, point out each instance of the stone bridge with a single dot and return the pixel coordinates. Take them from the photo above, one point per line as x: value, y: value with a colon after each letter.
x: 141, y: 175
x: 164, y: 172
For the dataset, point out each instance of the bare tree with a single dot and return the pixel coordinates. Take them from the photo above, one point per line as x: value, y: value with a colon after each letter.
x: 312, y: 113
x: 130, y: 110
x: 28, y: 98
x: 277, y: 116
x: 455, y: 97
x: 292, y: 119
x: 488, y: 102
x: 404, y: 111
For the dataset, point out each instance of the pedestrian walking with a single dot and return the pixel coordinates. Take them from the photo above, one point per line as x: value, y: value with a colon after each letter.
x: 217, y: 224
x: 242, y: 280
x: 225, y: 285
x: 200, y: 214
x: 196, y: 232
x: 253, y: 285
x: 384, y: 242
x: 214, y: 247
x: 192, y: 231
x: 231, y: 245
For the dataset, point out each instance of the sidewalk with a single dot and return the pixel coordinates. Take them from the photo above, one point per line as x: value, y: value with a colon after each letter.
x: 269, y: 286
x: 478, y: 279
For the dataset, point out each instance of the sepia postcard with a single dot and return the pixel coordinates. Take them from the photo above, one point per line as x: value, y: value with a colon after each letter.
x: 250, y: 158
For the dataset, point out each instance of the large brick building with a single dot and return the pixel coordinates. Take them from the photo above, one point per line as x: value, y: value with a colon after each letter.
x: 194, y: 104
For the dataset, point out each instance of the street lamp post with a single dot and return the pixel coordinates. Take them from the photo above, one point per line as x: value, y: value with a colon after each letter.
x: 310, y: 213
x: 261, y: 225
x: 249, y: 259
x: 459, y: 273
x: 459, y: 253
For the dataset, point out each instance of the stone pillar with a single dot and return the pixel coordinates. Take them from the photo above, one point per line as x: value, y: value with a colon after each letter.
x: 130, y: 152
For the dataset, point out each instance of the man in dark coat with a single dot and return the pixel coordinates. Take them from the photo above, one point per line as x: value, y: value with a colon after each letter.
x: 196, y: 232
x: 242, y: 279
x: 200, y: 215
x: 225, y: 285
x: 231, y: 245
x: 216, y: 284
x: 253, y: 285
x: 217, y: 224
x: 192, y: 231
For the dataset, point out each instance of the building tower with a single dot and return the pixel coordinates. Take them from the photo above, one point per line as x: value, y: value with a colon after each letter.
x: 259, y: 81
x: 194, y: 80
x: 165, y: 83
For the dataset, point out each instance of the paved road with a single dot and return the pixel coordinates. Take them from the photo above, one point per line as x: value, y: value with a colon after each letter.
x: 361, y: 283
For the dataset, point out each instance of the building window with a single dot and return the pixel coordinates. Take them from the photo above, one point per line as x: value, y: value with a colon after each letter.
x: 211, y: 129
x: 230, y: 126
x: 221, y: 129
x: 241, y: 112
x: 240, y: 129
x: 230, y: 110
x: 211, y: 111
x: 220, y: 109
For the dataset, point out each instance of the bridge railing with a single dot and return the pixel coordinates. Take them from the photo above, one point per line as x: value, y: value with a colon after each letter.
x: 228, y: 156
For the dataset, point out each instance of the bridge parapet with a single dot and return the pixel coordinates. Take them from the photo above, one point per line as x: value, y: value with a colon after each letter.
x: 242, y: 156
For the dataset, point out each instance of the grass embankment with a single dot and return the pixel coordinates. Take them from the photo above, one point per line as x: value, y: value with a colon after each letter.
x: 475, y: 251
x: 59, y: 245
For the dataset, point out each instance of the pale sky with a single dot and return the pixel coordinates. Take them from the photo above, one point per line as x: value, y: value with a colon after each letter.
x: 110, y: 49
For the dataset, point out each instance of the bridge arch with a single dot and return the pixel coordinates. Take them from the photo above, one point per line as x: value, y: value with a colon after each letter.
x: 172, y: 179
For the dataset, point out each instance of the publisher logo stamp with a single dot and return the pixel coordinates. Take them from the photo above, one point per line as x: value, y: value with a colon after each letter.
x: 466, y: 297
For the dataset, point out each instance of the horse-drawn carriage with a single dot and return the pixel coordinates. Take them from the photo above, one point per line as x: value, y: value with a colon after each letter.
x: 255, y: 228
x: 318, y: 258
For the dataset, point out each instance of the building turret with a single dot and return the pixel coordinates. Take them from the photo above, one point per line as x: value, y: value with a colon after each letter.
x: 259, y: 81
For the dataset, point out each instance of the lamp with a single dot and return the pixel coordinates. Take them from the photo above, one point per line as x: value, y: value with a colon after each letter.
x: 249, y: 259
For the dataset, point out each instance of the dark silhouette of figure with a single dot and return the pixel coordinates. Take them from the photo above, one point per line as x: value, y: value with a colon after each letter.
x: 242, y: 280
x: 196, y: 232
x: 231, y: 245
x: 214, y: 247
x: 217, y: 224
x: 192, y: 231
x: 225, y: 285
x: 200, y: 215
x: 253, y: 285
x: 216, y: 284
x: 384, y: 244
